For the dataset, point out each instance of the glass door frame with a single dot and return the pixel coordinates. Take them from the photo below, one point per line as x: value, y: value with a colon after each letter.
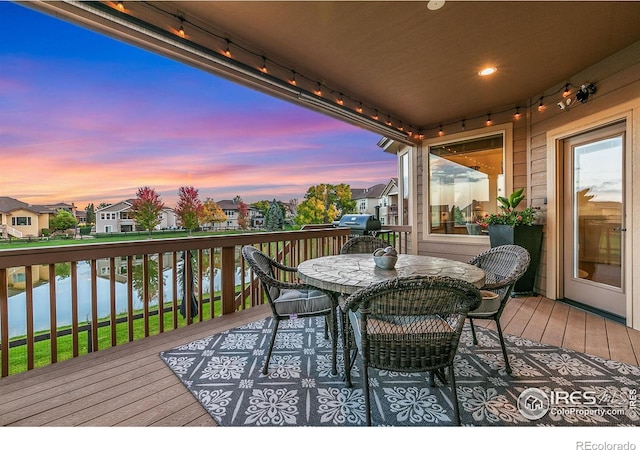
x: 630, y: 113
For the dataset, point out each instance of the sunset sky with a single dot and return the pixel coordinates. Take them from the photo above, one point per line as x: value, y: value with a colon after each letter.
x: 85, y: 118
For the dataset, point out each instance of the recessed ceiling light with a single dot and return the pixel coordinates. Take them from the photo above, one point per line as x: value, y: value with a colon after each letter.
x: 487, y: 71
x: 432, y: 5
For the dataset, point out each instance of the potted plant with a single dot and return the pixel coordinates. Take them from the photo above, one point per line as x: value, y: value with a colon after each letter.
x: 512, y: 226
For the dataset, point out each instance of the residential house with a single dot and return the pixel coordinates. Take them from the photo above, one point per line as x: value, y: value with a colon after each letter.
x: 367, y: 199
x: 389, y: 204
x: 230, y: 209
x: 380, y: 200
x: 70, y: 207
x: 116, y: 218
x: 19, y: 219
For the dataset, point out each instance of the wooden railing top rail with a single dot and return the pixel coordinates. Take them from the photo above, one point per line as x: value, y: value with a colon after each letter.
x: 80, y: 252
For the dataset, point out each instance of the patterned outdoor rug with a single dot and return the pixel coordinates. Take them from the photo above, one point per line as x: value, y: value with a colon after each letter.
x: 549, y: 385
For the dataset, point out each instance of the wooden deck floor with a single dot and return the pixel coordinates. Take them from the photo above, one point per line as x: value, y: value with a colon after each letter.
x: 130, y: 385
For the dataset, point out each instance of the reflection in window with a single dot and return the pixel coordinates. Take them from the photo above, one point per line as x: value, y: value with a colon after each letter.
x: 404, y: 202
x: 465, y: 177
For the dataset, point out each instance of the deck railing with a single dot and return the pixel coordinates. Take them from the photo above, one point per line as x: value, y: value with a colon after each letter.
x: 94, y: 296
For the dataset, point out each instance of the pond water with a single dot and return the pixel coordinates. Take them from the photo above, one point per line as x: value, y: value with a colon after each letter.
x: 17, y: 303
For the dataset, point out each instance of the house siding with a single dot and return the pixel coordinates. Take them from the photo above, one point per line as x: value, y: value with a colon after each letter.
x: 617, y: 79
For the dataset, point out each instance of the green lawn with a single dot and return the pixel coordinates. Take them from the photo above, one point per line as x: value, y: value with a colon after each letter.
x: 114, y: 237
x: 42, y: 349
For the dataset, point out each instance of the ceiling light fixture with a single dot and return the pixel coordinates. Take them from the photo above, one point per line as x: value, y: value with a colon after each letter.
x: 487, y: 71
x: 433, y: 5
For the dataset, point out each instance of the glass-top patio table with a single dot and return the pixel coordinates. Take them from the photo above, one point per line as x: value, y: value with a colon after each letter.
x: 345, y: 274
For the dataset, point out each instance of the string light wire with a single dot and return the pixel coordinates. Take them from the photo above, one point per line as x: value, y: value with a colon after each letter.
x: 342, y: 97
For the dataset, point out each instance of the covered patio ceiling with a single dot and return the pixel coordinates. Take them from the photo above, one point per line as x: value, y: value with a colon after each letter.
x: 409, y: 68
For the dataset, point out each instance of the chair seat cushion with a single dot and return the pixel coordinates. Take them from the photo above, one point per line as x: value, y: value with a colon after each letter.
x: 301, y: 301
x: 488, y: 306
x: 411, y: 325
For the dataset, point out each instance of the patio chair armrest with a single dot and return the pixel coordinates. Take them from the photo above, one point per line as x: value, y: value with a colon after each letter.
x: 281, y: 266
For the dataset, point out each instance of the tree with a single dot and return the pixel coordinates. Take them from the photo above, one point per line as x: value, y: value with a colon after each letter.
x: 189, y: 208
x: 243, y: 212
x: 262, y: 206
x: 274, y: 218
x: 91, y: 213
x: 323, y: 203
x: 212, y: 213
x: 146, y: 208
x: 63, y: 220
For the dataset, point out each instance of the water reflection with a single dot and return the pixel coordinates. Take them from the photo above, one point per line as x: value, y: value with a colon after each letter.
x: 17, y: 302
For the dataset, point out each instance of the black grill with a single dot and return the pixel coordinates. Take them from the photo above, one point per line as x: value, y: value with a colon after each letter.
x: 360, y: 224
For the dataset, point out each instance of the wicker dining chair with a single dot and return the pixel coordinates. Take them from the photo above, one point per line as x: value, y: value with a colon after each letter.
x: 409, y: 324
x: 503, y: 266
x: 363, y: 244
x: 291, y: 299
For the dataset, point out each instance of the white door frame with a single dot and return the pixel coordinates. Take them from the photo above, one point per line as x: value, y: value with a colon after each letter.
x: 630, y: 112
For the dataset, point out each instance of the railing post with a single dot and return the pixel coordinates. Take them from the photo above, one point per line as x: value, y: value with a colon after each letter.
x: 89, y: 336
x: 4, y: 321
x: 228, y: 280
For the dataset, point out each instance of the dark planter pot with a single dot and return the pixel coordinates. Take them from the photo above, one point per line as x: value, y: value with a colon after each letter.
x: 529, y: 237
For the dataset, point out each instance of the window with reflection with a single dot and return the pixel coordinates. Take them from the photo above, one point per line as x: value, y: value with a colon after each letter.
x: 465, y: 177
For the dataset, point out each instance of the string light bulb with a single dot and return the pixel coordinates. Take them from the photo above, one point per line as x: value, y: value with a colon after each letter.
x: 227, y: 51
x: 489, y: 122
x: 440, y: 132
x: 359, y: 108
x: 375, y: 115
x: 389, y: 121
x: 340, y: 101
x: 181, y: 29
x: 263, y: 69
x: 566, y: 92
x: 319, y: 90
x: 463, y: 124
x: 541, y: 105
x: 517, y: 114
x: 121, y: 6
x: 293, y: 78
